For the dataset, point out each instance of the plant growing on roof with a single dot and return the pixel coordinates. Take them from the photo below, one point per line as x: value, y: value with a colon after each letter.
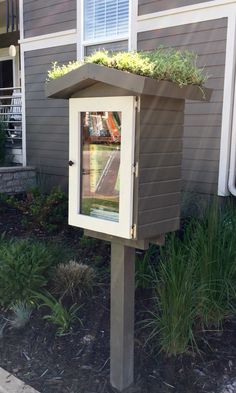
x: 162, y: 64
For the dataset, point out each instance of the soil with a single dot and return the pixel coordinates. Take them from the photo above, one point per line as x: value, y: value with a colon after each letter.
x: 78, y: 362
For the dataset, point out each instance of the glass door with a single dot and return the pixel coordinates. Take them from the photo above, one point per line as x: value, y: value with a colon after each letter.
x: 102, y: 150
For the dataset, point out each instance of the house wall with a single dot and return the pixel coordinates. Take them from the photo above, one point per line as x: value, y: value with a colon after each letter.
x: 202, y: 131
x: 48, y: 16
x: 149, y: 6
x: 47, y: 122
x: 202, y: 120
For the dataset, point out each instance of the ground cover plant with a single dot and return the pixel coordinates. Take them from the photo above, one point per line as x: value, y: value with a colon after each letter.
x: 162, y: 64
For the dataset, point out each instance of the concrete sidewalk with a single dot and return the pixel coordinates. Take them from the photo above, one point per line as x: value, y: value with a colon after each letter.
x: 10, y: 384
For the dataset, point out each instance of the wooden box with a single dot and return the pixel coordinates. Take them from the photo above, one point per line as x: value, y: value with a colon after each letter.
x: 152, y: 113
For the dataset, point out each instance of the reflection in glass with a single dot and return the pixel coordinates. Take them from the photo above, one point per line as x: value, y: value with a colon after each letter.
x: 101, y: 139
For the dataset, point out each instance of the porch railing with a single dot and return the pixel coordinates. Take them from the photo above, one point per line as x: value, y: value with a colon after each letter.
x: 12, y: 15
x: 11, y: 119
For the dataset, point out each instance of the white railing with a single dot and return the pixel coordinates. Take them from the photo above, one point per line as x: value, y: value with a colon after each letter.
x: 11, y: 119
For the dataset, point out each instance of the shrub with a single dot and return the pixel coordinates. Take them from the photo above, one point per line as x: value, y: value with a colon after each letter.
x: 46, y: 211
x: 73, y: 279
x: 162, y: 64
x: 23, y: 267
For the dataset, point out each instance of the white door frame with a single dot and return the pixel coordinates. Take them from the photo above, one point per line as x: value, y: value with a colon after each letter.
x: 125, y: 105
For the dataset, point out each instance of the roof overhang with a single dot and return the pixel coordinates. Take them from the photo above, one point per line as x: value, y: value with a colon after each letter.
x: 89, y: 74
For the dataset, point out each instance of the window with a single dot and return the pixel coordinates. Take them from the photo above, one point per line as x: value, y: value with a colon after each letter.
x: 105, y: 19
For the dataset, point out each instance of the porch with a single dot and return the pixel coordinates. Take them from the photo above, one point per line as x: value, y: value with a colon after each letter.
x: 11, y: 124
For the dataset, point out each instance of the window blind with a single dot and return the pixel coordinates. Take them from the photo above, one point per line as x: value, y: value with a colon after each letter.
x: 105, y: 19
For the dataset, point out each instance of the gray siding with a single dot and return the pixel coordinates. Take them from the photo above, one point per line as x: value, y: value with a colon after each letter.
x: 159, y: 157
x: 111, y: 46
x: 47, y: 123
x: 48, y: 16
x: 149, y: 6
x: 202, y: 131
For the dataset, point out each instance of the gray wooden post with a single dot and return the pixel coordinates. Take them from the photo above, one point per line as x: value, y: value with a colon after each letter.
x: 122, y: 315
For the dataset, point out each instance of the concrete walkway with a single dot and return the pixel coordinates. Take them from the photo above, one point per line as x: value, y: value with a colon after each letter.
x: 10, y: 384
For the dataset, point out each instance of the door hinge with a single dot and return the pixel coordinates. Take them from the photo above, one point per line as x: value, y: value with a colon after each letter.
x: 137, y: 104
x: 133, y: 231
x: 135, y: 169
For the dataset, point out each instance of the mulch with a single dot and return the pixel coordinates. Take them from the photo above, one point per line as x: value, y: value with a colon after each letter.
x: 78, y: 362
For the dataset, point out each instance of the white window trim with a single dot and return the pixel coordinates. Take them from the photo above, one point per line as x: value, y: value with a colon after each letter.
x: 82, y: 44
x: 126, y: 105
x: 107, y: 40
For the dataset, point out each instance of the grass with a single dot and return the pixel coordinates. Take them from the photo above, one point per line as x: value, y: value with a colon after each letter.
x: 171, y: 65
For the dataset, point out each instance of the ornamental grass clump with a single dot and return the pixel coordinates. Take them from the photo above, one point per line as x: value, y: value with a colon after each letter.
x: 213, y: 252
x: 21, y: 314
x: 72, y: 280
x: 171, y: 321
x: 195, y: 281
x: 162, y: 64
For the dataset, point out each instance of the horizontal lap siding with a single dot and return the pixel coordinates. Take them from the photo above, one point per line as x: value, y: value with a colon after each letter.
x: 111, y: 46
x: 160, y: 150
x: 202, y: 131
x: 48, y: 16
x: 47, y: 120
x: 149, y: 6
